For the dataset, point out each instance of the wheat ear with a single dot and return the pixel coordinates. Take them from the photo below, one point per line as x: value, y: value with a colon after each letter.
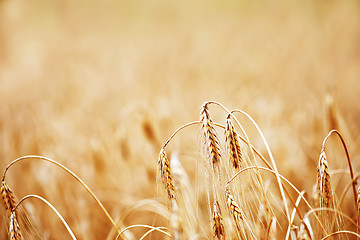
x: 14, y: 228
x: 166, y: 176
x: 8, y: 196
x: 210, y: 136
x: 218, y: 226
x: 232, y: 145
x: 323, y: 182
x: 233, y: 206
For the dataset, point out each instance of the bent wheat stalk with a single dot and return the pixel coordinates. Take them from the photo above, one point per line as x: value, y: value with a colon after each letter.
x: 288, y: 182
x: 72, y: 174
x: 159, y: 229
x: 52, y: 208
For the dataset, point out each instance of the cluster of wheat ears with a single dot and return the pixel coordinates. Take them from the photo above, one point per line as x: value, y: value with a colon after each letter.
x: 242, y: 193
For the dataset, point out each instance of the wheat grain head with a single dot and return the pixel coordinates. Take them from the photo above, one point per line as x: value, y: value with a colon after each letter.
x: 232, y: 145
x: 211, y: 140
x: 8, y: 196
x: 166, y: 176
x: 323, y: 182
x: 218, y: 225
x: 14, y: 228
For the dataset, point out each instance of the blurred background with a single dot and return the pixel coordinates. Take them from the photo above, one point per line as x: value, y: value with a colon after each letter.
x: 100, y: 85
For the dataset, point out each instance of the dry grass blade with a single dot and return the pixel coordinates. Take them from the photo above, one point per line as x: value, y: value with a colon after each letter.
x: 14, y: 229
x: 210, y: 136
x: 218, y: 226
x: 232, y: 145
x: 166, y: 175
x: 8, y: 196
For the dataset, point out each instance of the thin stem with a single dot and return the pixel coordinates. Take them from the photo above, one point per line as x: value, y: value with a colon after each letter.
x: 159, y: 229
x: 52, y: 207
x: 177, y: 130
x: 293, y: 214
x: 271, y: 159
x: 71, y: 173
x: 342, y: 197
x: 314, y: 210
x: 341, y: 232
x: 286, y: 180
x: 150, y: 231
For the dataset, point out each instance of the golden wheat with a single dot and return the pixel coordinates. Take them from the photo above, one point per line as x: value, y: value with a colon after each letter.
x: 233, y: 206
x: 232, y: 145
x: 8, y: 196
x: 14, y: 229
x: 218, y: 225
x: 166, y: 175
x: 323, y: 182
x: 211, y: 140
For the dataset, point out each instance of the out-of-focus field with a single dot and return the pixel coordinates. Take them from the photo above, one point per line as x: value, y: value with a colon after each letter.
x: 100, y: 85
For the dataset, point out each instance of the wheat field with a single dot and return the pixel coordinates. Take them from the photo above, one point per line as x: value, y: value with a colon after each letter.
x: 96, y: 88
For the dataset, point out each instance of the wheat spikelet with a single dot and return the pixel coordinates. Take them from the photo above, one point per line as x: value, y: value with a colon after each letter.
x: 233, y: 206
x: 326, y: 199
x: 166, y: 175
x: 14, y: 229
x: 242, y: 225
x: 210, y: 136
x: 232, y: 145
x: 218, y: 226
x: 8, y: 196
x: 323, y: 185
